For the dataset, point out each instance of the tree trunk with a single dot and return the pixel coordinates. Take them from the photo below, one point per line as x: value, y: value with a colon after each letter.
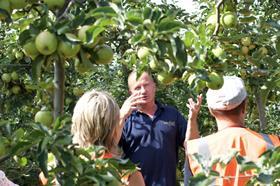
x: 59, y: 79
x: 261, y: 109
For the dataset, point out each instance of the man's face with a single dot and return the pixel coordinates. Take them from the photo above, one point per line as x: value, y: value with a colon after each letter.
x: 144, y: 86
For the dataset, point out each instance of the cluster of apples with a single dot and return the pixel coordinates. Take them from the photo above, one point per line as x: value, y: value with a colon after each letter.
x: 11, y: 83
x: 164, y: 76
x: 10, y: 5
x: 47, y: 43
x: 248, y: 45
x: 227, y: 19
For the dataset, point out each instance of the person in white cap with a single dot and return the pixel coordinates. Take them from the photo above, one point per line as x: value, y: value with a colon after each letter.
x: 228, y: 106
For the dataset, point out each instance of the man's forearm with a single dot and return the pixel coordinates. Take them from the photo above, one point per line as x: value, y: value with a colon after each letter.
x: 192, y: 130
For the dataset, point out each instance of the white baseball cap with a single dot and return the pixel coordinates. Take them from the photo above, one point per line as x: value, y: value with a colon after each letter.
x: 228, y: 97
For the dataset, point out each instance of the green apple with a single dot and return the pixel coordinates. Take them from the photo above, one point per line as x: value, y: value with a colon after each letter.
x: 44, y: 117
x: 165, y: 78
x: 54, y: 4
x: 19, y: 55
x: 6, y: 78
x: 212, y: 20
x: 244, y: 50
x: 104, y: 54
x: 215, y: 81
x: 263, y: 51
x: 154, y: 64
x: 14, y: 76
x: 148, y: 23
x: 252, y: 46
x: 229, y: 19
x: 78, y: 91
x: 143, y: 52
x: 18, y: 4
x: 246, y: 41
x: 68, y: 49
x: 218, y: 52
x: 30, y: 50
x: 46, y: 42
x: 15, y: 89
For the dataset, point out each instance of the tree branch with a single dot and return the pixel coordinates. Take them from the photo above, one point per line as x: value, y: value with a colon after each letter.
x: 261, y: 109
x: 59, y: 81
x: 218, y: 5
x: 64, y: 10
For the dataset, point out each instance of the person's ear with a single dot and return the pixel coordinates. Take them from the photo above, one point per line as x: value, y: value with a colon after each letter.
x: 211, y: 112
x: 244, y: 107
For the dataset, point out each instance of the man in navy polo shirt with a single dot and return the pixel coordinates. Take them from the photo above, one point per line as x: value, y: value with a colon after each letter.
x: 152, y: 132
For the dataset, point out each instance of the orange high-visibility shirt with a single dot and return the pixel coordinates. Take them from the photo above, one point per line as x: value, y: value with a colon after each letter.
x: 250, y: 145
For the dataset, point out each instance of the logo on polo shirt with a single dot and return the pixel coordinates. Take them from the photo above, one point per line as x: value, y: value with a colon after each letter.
x: 169, y: 123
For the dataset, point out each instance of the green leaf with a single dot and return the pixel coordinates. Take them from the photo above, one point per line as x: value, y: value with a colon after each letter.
x: 24, y: 37
x: 179, y: 52
x: 248, y: 166
x: 202, y: 34
x: 35, y: 135
x: 44, y: 144
x: 93, y: 32
x: 189, y: 38
x: 43, y: 161
x: 21, y: 147
x: 104, y: 11
x: 248, y: 19
x: 156, y: 15
x: 103, y: 22
x: 41, y: 24
x: 72, y: 38
x: 137, y: 38
x: 169, y: 26
x: 77, y: 164
x: 147, y: 13
x: 18, y: 134
x: 63, y: 27
x: 78, y: 20
x: 214, y: 173
x: 201, y: 180
x: 83, y: 152
x: 63, y: 140
x: 134, y: 17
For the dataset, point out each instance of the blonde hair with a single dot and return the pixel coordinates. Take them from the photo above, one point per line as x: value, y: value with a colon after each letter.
x: 95, y: 120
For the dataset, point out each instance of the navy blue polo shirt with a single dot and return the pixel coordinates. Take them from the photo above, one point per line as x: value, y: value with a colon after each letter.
x: 153, y: 143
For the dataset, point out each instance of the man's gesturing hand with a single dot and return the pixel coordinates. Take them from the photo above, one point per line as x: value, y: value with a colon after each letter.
x: 194, y: 107
x: 130, y: 104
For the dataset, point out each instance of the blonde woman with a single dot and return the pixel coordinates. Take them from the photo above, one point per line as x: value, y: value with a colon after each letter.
x: 96, y: 121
